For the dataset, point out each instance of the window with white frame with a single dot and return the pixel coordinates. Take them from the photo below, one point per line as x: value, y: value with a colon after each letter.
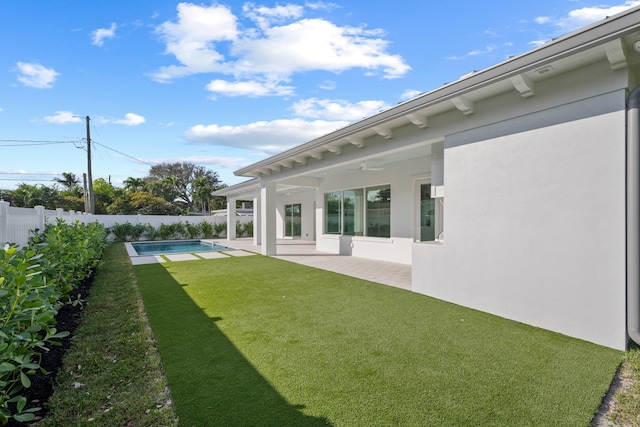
x: 358, y: 212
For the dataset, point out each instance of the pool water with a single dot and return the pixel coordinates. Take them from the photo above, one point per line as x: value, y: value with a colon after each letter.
x: 176, y: 247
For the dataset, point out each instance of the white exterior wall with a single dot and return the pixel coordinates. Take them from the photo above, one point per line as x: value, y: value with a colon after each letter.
x: 307, y: 200
x: 535, y: 228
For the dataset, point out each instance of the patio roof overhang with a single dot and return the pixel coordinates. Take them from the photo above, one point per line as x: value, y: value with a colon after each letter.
x: 610, y: 39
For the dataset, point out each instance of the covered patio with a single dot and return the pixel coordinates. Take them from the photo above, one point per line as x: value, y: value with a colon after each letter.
x: 304, y: 252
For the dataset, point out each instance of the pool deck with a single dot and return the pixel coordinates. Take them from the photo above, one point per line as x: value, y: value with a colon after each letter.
x: 304, y: 252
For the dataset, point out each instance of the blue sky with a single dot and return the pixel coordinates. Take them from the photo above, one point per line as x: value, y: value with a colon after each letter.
x: 224, y: 85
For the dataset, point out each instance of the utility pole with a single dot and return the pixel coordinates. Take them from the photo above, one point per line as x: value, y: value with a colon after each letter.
x: 92, y: 201
x: 86, y: 192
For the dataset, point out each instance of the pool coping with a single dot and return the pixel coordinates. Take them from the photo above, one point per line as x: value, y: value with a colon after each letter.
x: 137, y: 259
x: 133, y: 253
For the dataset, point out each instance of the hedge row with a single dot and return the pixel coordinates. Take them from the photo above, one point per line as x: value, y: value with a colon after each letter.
x: 35, y: 282
x: 177, y: 230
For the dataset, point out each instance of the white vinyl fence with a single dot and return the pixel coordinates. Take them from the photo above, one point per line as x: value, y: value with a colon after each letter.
x: 17, y: 224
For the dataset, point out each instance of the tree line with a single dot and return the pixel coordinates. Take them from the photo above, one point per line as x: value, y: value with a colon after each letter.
x: 168, y: 189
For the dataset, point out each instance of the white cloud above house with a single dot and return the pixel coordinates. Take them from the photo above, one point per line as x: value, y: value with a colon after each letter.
x: 99, y: 35
x: 410, y: 94
x: 62, y: 117
x: 253, y: 88
x: 584, y: 16
x: 268, y: 136
x: 232, y: 163
x: 36, y: 75
x: 337, y: 109
x: 281, y: 42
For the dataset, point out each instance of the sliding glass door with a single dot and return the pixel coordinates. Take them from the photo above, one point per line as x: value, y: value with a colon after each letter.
x: 293, y: 220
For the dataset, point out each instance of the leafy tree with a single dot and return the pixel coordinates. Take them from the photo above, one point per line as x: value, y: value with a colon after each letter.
x: 23, y: 195
x: 72, y: 203
x: 180, y: 178
x: 28, y: 196
x: 104, y: 195
x: 142, y: 202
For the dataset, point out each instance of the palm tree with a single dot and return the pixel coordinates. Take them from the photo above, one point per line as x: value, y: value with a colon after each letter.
x: 68, y: 180
x: 134, y: 185
x: 202, y: 192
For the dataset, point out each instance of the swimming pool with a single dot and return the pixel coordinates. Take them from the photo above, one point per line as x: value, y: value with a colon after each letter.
x: 175, y: 247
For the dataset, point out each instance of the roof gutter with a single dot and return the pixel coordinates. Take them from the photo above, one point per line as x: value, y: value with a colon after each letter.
x: 633, y: 215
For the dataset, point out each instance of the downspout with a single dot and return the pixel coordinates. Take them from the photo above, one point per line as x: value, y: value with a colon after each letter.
x: 633, y: 215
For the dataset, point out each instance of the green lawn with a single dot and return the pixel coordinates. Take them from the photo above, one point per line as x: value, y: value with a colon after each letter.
x: 256, y: 341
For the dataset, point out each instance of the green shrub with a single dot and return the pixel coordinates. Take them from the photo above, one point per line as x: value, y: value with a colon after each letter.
x: 150, y: 232
x: 121, y: 231
x: 207, y: 229
x: 192, y: 231
x: 218, y: 229
x: 248, y: 229
x: 239, y: 229
x: 34, y: 283
x: 137, y: 231
x: 165, y: 232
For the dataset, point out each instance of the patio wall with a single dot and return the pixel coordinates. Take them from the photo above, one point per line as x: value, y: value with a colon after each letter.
x: 17, y: 224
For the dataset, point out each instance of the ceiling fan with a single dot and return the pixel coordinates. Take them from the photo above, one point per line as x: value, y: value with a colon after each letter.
x: 364, y: 167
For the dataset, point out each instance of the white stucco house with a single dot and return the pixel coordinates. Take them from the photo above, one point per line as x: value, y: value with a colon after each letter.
x: 512, y: 190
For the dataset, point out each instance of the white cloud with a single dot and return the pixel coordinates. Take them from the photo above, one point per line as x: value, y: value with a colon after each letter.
x: 584, y: 16
x: 233, y: 163
x: 98, y: 36
x: 327, y: 85
x: 316, y: 44
x: 537, y: 43
x: 542, y: 20
x: 192, y: 40
x: 62, y: 117
x: 264, y: 17
x: 36, y: 75
x: 249, y: 88
x: 488, y: 49
x: 410, y: 94
x: 207, y: 39
x: 337, y: 109
x: 270, y: 137
x: 131, y: 119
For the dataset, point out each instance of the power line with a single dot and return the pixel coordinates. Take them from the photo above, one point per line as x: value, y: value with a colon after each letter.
x: 22, y: 180
x: 123, y: 154
x: 31, y: 143
x: 31, y: 173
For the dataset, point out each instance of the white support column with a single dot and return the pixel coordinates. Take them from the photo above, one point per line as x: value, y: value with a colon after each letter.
x: 257, y: 219
x: 268, y: 218
x: 231, y: 219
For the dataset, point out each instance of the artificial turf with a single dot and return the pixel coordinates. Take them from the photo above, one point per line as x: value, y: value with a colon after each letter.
x: 257, y: 341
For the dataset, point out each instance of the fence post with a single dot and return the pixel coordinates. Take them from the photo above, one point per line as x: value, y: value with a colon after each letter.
x: 59, y: 212
x: 4, y: 221
x: 40, y: 215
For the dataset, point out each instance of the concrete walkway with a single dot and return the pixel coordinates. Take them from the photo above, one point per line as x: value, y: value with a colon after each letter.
x: 304, y: 252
